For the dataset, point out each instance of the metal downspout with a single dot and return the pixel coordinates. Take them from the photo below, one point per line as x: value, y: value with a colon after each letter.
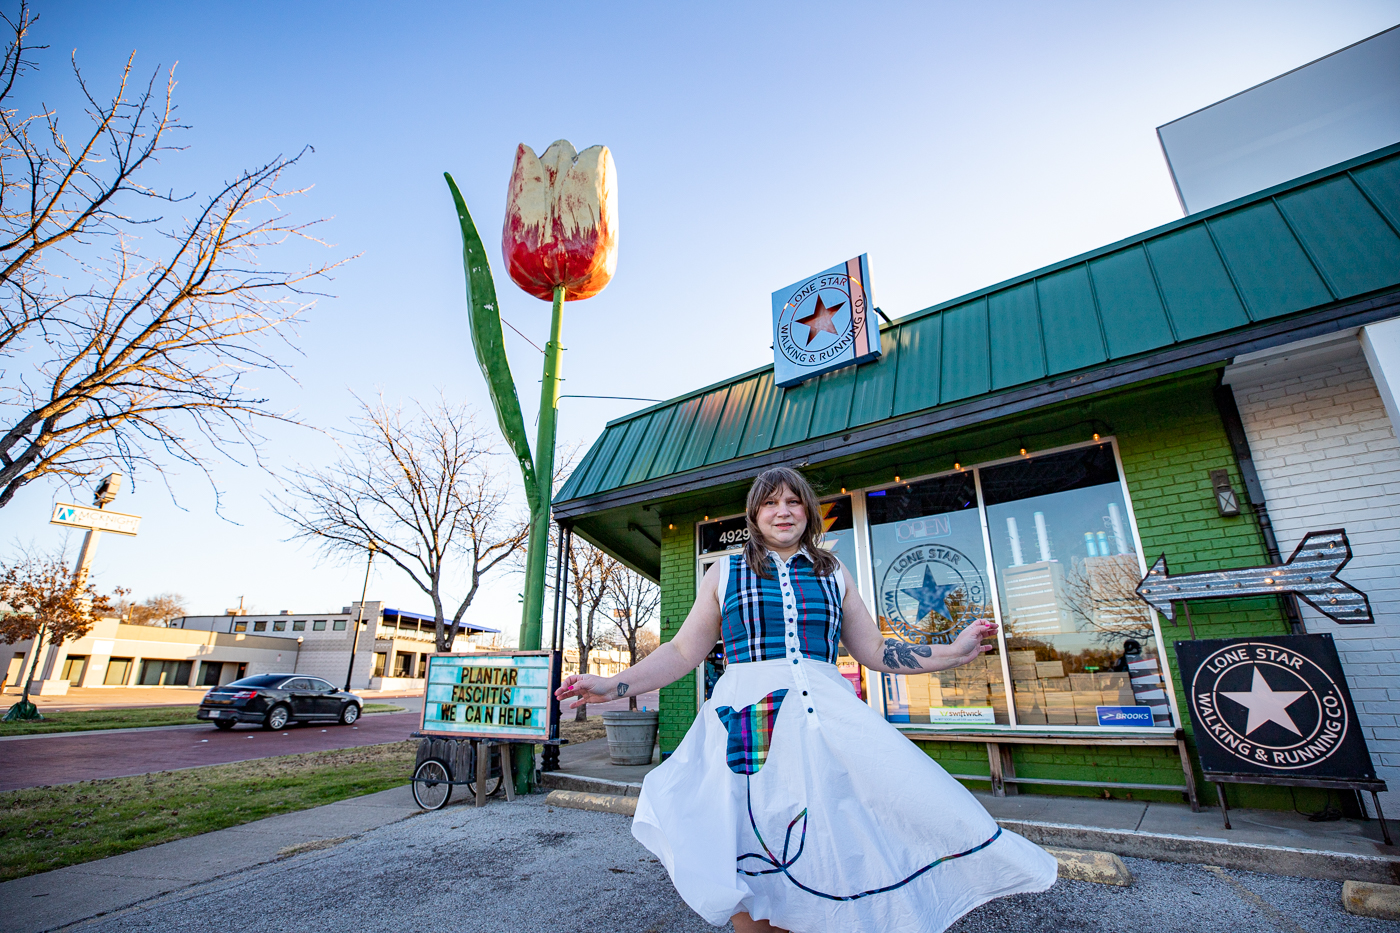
x: 1254, y: 492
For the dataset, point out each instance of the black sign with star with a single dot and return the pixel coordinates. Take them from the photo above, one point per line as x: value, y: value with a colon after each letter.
x: 1274, y: 705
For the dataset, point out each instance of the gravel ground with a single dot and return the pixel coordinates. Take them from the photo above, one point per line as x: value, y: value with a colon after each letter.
x: 530, y: 866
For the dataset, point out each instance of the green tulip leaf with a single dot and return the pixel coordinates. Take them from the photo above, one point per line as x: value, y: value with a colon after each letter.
x: 484, y: 315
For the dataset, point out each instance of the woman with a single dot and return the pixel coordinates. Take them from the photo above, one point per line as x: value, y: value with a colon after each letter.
x: 790, y: 804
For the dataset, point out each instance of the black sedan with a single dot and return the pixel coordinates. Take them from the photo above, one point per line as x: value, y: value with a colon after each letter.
x: 274, y: 700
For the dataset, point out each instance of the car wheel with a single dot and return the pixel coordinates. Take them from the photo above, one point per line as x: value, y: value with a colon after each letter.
x: 223, y: 725
x: 349, y: 714
x: 277, y: 718
x: 430, y: 788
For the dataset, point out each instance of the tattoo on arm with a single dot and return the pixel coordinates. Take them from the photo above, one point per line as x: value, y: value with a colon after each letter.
x: 902, y: 654
x: 621, y: 690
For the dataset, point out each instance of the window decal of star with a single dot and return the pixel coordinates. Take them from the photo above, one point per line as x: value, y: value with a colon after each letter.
x: 931, y: 597
x: 820, y: 319
x: 1266, y: 704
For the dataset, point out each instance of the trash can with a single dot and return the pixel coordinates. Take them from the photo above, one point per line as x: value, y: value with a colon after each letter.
x: 631, y: 735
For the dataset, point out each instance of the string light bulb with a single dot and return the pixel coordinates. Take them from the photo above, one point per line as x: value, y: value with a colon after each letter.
x: 1023, y: 451
x: 672, y: 527
x: 1096, y: 435
x: 896, y: 479
x: 843, y: 489
x: 957, y: 465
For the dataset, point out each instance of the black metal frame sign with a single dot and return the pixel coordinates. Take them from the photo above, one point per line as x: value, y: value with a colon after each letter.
x: 1310, y: 574
x: 1273, y: 706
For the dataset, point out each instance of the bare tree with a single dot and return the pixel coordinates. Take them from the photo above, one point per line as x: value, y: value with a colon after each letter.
x: 632, y: 603
x: 155, y: 610
x: 119, y: 354
x: 43, y: 600
x: 420, y: 488
x: 592, y: 574
x: 1100, y: 593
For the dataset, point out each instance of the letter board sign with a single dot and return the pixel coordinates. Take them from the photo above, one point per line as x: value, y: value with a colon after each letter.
x: 494, y: 695
x: 824, y: 322
x: 1273, y: 706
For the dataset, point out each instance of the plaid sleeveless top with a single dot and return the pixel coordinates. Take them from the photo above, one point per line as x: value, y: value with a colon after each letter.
x: 795, y: 615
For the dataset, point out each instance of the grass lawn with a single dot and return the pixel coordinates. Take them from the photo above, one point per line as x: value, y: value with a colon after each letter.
x: 82, y: 720
x: 44, y: 828
x: 578, y: 732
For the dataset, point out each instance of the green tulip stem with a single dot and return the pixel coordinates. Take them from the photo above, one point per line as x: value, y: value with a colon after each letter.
x: 532, y: 620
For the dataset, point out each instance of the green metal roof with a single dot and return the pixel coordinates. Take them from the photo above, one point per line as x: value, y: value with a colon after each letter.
x: 1326, y: 237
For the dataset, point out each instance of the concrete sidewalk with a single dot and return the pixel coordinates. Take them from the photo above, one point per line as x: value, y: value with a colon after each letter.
x: 218, y: 866
x: 362, y: 865
x: 68, y: 895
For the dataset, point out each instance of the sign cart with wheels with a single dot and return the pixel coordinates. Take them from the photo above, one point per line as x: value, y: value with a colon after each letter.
x: 476, y: 708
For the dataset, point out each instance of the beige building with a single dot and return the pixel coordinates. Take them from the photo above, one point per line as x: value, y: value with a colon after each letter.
x: 605, y: 662
x: 194, y: 651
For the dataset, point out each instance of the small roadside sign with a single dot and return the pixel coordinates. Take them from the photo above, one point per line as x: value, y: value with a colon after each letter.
x: 80, y: 516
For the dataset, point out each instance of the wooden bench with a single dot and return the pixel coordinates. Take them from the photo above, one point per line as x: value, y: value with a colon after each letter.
x: 1003, y: 770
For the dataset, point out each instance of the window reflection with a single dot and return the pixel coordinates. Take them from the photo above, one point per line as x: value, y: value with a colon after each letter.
x: 1077, y: 636
x: 930, y: 582
x: 839, y: 530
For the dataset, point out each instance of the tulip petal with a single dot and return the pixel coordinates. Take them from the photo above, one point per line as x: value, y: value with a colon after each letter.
x: 561, y: 221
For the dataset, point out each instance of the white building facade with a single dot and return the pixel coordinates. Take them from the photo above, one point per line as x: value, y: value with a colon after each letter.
x: 1326, y: 451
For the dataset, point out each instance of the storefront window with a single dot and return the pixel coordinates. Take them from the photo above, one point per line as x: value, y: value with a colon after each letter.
x: 1077, y: 636
x: 929, y: 563
x: 1050, y: 551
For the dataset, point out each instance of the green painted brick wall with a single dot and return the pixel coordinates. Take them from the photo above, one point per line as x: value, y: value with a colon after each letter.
x: 1169, y: 438
x: 677, y: 595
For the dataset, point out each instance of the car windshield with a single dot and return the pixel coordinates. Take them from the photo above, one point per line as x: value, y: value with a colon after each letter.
x: 259, y: 680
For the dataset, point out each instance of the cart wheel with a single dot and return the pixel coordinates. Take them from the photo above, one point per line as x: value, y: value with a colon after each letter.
x: 430, y: 788
x: 493, y: 784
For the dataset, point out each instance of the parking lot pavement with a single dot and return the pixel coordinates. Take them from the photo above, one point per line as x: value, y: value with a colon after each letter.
x: 529, y: 866
x: 63, y: 759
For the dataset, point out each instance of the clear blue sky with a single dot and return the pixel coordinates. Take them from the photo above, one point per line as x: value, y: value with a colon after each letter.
x: 957, y: 144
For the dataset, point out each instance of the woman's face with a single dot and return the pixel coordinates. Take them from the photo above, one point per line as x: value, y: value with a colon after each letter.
x: 782, y: 519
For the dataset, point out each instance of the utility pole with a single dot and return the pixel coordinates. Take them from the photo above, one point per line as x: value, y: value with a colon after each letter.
x: 359, y: 616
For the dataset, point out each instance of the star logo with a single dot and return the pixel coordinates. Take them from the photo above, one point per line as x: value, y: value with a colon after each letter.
x: 930, y: 596
x: 1266, y: 704
x: 820, y: 320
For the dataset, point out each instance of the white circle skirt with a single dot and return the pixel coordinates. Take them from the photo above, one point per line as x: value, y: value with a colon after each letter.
x: 792, y: 800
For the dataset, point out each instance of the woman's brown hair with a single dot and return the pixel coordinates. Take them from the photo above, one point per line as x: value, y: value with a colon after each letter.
x: 765, y: 485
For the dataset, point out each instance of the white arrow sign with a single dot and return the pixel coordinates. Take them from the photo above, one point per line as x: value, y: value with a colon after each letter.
x: 80, y: 516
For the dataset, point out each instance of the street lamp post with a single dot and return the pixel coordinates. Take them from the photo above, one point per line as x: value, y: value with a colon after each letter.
x: 359, y: 616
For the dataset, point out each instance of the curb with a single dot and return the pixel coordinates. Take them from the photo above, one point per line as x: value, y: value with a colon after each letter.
x: 1163, y: 847
x: 604, y: 803
x: 563, y: 780
x: 1381, y: 901
x: 1094, y: 867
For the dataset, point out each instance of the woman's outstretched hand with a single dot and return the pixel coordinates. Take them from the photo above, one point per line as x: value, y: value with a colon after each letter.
x: 968, y: 645
x: 587, y: 688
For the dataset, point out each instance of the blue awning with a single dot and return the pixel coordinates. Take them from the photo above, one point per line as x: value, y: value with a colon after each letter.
x: 418, y: 616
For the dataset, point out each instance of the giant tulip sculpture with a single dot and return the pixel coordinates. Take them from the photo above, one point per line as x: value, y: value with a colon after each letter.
x: 560, y: 244
x: 561, y: 221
